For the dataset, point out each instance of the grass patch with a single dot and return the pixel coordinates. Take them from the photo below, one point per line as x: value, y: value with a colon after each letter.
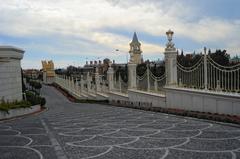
x: 35, y: 99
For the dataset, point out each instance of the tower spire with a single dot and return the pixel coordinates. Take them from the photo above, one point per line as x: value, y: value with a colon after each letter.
x: 135, y: 50
x: 135, y: 38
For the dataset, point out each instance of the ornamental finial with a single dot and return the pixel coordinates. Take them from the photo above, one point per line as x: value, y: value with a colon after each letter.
x: 170, y: 44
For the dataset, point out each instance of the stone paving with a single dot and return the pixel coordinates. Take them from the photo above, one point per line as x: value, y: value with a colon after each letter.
x: 76, y: 131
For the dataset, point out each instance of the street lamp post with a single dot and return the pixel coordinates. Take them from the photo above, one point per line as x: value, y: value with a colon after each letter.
x: 117, y: 50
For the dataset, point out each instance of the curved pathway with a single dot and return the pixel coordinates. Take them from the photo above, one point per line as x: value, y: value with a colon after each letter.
x: 76, y: 131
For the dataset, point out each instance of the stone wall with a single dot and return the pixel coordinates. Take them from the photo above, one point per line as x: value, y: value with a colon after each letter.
x: 203, y: 101
x: 116, y: 96
x: 184, y: 99
x: 10, y: 73
x: 153, y: 99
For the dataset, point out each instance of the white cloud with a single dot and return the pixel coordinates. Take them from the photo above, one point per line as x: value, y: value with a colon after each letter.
x: 79, y: 24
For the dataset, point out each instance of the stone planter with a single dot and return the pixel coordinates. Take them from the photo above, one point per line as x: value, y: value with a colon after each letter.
x: 19, y: 112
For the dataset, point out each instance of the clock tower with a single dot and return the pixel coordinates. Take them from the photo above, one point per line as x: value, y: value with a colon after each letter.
x: 135, y: 50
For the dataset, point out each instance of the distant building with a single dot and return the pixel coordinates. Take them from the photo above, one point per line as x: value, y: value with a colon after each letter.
x: 10, y: 73
x: 235, y: 59
x: 90, y: 67
x: 157, y: 63
x: 48, y: 72
x: 32, y: 73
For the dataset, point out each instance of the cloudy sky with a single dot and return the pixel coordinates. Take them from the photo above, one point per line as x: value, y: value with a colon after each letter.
x: 72, y: 31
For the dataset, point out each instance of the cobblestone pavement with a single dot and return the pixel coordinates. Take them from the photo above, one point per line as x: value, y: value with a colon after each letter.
x: 78, y: 131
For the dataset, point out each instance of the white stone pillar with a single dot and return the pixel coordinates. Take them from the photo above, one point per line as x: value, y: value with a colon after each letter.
x: 205, y: 69
x: 79, y: 89
x: 75, y: 88
x: 69, y: 83
x: 58, y: 79
x: 45, y: 77
x: 132, y: 75
x: 148, y: 79
x: 10, y: 73
x: 70, y: 88
x: 97, y: 81
x: 155, y: 85
x: 110, y: 74
x: 170, y: 60
x: 218, y: 88
x: 119, y: 83
x: 72, y: 85
x: 171, y: 67
x: 115, y: 82
x: 82, y: 84
x: 65, y: 81
x: 62, y: 81
x: 101, y: 85
x: 88, y: 82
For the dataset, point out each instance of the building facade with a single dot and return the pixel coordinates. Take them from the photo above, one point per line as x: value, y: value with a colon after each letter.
x: 48, y: 72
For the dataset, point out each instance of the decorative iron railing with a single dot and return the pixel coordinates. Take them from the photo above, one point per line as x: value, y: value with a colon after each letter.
x: 120, y: 85
x: 208, y: 74
x: 149, y: 82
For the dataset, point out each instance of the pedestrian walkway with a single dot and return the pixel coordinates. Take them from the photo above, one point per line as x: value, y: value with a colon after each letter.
x: 75, y: 131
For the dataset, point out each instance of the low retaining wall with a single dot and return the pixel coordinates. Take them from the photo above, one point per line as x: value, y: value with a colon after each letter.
x: 140, y: 98
x: 203, y: 101
x: 19, y: 112
x: 100, y: 96
x: 83, y: 96
x: 136, y: 98
x: 74, y: 94
x: 116, y: 97
x: 176, y: 98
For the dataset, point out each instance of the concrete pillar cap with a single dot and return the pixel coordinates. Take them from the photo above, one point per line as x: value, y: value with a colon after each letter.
x: 11, y: 52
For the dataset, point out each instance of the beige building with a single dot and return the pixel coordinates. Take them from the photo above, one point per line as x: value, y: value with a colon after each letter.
x: 48, y: 72
x: 10, y: 73
x: 135, y: 50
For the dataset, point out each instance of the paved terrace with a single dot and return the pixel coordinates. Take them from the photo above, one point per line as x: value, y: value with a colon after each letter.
x: 78, y: 131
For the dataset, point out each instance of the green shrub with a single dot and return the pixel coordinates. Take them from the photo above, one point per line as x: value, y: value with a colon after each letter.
x: 43, y: 101
x: 228, y: 120
x: 35, y: 84
x: 32, y: 99
x: 27, y: 79
x: 35, y: 99
x: 6, y: 106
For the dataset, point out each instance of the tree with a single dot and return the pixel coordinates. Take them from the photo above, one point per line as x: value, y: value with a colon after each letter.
x: 209, y: 52
x: 123, y: 73
x: 189, y: 59
x: 157, y: 71
x: 221, y: 57
x: 141, y: 68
